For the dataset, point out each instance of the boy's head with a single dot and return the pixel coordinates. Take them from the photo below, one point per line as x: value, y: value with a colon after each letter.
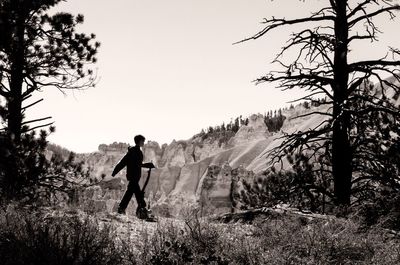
x: 139, y: 140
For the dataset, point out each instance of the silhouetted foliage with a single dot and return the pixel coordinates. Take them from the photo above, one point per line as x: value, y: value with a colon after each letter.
x: 305, y: 186
x: 374, y: 136
x: 31, y: 174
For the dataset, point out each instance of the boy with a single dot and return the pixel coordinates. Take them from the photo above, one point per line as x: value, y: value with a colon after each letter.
x: 133, y: 160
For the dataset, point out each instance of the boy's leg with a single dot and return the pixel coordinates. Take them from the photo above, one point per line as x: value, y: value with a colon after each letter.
x: 127, y: 197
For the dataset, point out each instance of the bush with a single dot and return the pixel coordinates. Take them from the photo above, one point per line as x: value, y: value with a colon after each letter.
x: 33, y: 175
x: 279, y: 239
x: 383, y: 210
x: 195, y: 242
x: 28, y: 238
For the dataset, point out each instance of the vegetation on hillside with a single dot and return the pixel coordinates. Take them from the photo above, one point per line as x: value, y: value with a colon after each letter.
x: 73, y: 238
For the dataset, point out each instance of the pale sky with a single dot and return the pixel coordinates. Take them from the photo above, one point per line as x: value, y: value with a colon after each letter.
x: 168, y: 68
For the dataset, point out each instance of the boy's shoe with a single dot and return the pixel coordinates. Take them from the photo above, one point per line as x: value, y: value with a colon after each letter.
x: 146, y: 215
x: 120, y: 211
x: 142, y: 213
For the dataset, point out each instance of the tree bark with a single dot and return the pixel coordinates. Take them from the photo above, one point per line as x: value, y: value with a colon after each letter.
x: 341, y: 148
x: 15, y: 99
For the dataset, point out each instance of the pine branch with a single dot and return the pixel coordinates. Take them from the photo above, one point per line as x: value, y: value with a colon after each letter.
x: 36, y: 120
x: 37, y: 127
x: 32, y: 104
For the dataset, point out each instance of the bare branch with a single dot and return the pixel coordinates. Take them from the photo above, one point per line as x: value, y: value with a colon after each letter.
x: 279, y: 22
x: 359, y: 7
x: 376, y: 13
x: 312, y: 113
x: 361, y: 64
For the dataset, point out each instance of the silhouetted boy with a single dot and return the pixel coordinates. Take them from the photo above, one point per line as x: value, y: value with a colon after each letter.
x: 133, y: 161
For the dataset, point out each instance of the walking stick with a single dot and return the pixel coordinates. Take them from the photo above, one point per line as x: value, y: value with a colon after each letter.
x: 143, y: 213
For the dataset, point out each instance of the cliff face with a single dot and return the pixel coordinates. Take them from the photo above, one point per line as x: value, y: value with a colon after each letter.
x: 204, y: 171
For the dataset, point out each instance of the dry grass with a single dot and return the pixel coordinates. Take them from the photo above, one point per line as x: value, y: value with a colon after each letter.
x: 31, y: 238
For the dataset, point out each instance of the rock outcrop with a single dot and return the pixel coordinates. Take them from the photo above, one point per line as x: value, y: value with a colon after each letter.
x: 253, y: 131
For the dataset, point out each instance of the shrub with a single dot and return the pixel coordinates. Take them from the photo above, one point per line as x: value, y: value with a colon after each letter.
x: 31, y: 238
x: 28, y: 174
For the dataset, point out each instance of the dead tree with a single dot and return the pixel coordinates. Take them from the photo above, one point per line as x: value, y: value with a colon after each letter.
x: 322, y: 69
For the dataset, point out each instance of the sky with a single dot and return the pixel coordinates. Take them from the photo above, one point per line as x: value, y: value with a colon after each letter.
x: 168, y: 68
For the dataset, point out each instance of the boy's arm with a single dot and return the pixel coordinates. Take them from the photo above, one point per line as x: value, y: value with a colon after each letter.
x: 120, y: 165
x: 148, y: 165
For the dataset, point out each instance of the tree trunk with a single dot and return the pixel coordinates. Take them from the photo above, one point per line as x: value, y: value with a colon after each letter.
x: 16, y: 98
x: 341, y: 149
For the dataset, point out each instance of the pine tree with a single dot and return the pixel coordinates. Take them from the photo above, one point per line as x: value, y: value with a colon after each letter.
x: 37, y: 51
x: 223, y: 128
x: 236, y: 125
